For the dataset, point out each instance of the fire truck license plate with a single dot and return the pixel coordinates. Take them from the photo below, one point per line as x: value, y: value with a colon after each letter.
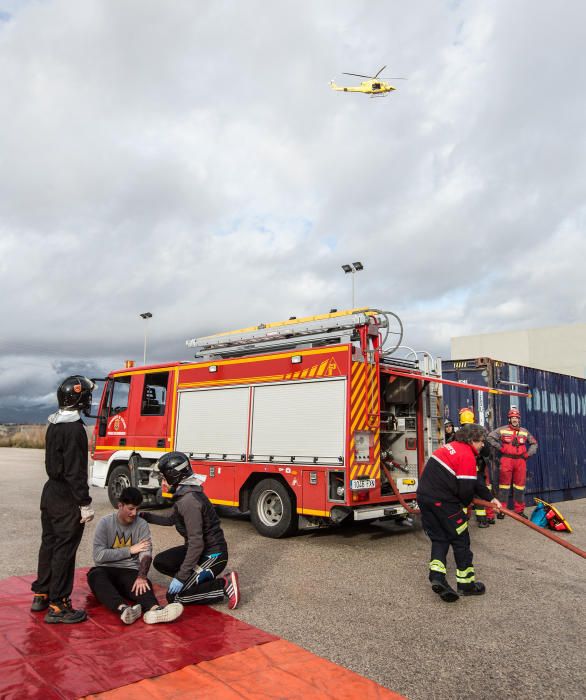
x: 358, y: 484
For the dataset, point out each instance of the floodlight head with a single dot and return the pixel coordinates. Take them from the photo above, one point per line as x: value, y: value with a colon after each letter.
x: 146, y: 315
x: 358, y: 266
x: 346, y: 268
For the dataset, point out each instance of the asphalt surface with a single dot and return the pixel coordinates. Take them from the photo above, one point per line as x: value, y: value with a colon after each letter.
x: 359, y: 596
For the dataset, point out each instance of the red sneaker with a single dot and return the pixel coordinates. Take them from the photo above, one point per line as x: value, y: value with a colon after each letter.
x: 231, y: 589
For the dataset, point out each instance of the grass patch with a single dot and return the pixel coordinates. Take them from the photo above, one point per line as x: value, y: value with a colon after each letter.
x: 32, y: 436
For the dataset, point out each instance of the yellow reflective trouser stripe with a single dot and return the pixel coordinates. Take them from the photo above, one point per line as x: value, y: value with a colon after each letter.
x: 437, y: 565
x: 465, y: 575
x: 462, y: 527
x: 480, y: 511
x: 519, y: 488
x: 505, y: 487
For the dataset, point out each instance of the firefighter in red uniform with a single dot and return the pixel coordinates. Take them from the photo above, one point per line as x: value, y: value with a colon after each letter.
x: 447, y: 486
x: 515, y: 445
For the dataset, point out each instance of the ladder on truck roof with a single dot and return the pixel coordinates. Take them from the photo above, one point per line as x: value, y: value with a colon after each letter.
x: 311, y: 331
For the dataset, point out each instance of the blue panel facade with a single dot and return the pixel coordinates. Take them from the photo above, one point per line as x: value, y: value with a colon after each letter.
x: 555, y: 414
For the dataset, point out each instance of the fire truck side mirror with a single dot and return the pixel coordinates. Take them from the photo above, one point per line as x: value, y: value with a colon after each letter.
x: 102, y: 424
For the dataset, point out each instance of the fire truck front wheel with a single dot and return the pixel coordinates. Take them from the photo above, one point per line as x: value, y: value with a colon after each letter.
x: 272, y: 509
x: 118, y: 481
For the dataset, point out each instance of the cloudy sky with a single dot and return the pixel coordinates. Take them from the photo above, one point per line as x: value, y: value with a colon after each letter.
x: 188, y: 158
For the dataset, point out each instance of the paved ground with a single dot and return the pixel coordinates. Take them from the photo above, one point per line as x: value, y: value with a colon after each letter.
x: 359, y: 597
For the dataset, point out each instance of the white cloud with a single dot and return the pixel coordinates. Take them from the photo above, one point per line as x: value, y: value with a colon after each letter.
x: 193, y: 162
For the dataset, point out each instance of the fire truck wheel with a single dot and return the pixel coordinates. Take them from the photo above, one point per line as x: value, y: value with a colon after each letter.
x: 118, y: 481
x: 272, y: 509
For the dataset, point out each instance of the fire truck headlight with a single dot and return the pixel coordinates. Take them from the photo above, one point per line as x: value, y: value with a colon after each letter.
x: 340, y: 491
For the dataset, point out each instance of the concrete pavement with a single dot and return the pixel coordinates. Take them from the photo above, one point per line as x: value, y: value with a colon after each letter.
x: 359, y: 596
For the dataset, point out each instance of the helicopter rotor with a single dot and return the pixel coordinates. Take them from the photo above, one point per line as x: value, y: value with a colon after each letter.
x: 373, y: 77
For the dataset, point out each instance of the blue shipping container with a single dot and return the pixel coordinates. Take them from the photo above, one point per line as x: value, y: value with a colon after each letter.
x: 555, y: 414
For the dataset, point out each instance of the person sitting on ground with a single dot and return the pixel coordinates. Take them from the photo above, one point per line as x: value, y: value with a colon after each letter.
x: 123, y: 555
x: 195, y: 566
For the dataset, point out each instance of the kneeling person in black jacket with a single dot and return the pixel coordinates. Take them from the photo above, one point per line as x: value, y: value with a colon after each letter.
x: 195, y: 567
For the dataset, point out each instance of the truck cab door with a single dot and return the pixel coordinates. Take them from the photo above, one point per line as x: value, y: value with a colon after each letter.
x: 113, y: 418
x: 151, y: 408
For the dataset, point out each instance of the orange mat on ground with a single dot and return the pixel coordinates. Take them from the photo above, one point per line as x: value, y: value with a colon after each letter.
x: 273, y: 670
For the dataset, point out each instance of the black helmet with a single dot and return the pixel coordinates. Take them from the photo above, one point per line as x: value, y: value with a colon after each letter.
x: 75, y: 394
x: 175, y: 467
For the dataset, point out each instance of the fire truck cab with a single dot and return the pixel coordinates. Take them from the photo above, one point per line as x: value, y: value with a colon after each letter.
x: 304, y: 423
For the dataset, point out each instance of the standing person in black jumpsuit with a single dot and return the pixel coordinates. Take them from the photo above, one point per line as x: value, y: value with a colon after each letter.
x: 196, y: 566
x: 65, y: 502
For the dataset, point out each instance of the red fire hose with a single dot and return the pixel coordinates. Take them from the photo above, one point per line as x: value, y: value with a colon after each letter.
x: 402, y: 501
x: 533, y: 526
x: 488, y: 504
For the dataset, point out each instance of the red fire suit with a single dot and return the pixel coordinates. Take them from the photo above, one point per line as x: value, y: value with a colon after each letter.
x: 515, y: 446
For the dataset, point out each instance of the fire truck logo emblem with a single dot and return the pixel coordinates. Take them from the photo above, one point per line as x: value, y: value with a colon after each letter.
x: 117, y: 426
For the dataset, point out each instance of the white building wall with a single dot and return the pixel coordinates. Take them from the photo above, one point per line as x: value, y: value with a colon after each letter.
x: 555, y: 348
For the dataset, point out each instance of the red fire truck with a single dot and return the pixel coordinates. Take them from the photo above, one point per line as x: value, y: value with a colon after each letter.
x: 303, y: 423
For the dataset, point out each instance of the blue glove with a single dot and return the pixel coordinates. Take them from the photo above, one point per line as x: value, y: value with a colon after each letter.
x: 175, y: 586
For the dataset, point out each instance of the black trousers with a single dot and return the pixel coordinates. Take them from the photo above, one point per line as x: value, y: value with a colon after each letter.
x: 203, y: 586
x: 446, y: 525
x: 112, y: 586
x: 61, y: 535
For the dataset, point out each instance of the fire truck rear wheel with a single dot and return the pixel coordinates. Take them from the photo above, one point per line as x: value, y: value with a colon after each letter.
x: 272, y: 509
x: 118, y: 481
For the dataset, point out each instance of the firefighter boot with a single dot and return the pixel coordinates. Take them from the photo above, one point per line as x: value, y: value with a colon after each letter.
x: 500, y: 515
x: 482, y: 521
x: 490, y: 521
x: 40, y: 602
x: 440, y: 586
x: 472, y: 588
x: 62, y: 611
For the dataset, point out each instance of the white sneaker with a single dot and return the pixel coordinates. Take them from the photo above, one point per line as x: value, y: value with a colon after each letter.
x: 167, y: 614
x: 130, y: 614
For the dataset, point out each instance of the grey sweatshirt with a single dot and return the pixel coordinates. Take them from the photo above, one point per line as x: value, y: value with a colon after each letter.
x: 112, y: 542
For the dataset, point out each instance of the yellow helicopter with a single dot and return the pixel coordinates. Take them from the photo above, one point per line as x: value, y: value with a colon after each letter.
x: 372, y: 86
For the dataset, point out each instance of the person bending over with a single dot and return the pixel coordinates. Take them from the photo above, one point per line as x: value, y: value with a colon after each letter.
x: 446, y: 487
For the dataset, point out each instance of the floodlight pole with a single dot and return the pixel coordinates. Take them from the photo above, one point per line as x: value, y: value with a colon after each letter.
x: 146, y: 317
x: 352, y: 269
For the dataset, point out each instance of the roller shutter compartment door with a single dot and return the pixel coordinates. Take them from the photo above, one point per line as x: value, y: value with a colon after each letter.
x: 213, y: 422
x: 305, y: 420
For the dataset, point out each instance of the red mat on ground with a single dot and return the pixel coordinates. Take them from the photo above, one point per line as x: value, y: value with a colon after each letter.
x: 58, y: 662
